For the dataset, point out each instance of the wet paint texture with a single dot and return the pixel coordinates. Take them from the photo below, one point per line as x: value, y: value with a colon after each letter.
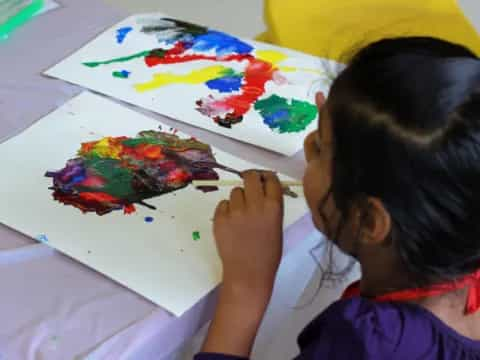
x: 234, y: 93
x: 284, y: 116
x: 115, y: 173
x: 122, y: 33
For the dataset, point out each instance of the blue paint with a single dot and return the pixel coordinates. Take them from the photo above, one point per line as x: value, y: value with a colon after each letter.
x: 221, y: 43
x: 42, y: 238
x: 149, y: 219
x: 275, y: 119
x: 186, y: 38
x: 123, y: 74
x: 122, y: 33
x: 225, y: 84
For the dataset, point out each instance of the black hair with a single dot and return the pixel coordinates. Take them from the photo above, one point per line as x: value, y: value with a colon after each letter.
x: 406, y: 130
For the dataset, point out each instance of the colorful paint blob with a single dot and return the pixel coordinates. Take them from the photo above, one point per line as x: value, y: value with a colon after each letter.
x: 124, y: 74
x: 115, y: 173
x: 284, y: 116
x: 234, y: 93
x: 196, y: 235
x: 122, y: 33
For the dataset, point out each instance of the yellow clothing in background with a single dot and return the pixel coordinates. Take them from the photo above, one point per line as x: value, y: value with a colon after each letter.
x: 335, y: 28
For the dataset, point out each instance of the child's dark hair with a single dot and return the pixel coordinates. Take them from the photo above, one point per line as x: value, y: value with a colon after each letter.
x: 406, y: 129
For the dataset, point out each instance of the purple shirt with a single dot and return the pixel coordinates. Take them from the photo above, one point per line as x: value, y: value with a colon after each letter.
x: 359, y: 328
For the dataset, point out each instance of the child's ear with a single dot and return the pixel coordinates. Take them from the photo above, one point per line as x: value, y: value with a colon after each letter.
x: 376, y: 223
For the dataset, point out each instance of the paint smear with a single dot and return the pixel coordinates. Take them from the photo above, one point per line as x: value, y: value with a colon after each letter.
x: 122, y: 33
x: 117, y: 173
x: 198, y: 38
x: 195, y: 77
x: 276, y: 57
x: 124, y: 74
x: 171, y: 30
x: 142, y: 54
x: 230, y: 110
x: 284, y: 116
x: 185, y: 42
x: 227, y: 83
x: 196, y: 235
x: 221, y: 43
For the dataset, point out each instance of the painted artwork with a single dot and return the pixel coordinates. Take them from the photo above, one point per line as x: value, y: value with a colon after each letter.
x: 115, y: 193
x: 115, y: 173
x: 246, y: 90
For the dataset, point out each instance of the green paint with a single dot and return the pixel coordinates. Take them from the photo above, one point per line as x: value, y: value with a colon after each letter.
x: 120, y: 74
x: 118, y: 179
x: 118, y: 60
x: 286, y: 117
x: 140, y: 141
x: 196, y: 235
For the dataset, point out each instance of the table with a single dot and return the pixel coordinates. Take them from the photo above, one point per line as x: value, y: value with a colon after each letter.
x: 51, y: 306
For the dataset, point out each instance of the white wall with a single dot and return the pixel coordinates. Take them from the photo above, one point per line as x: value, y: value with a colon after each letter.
x: 472, y: 10
x: 242, y: 18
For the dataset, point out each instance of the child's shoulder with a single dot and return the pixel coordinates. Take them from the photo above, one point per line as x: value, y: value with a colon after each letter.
x: 375, y: 330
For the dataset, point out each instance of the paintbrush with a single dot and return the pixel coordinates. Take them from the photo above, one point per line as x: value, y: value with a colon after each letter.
x: 200, y: 183
x: 217, y: 183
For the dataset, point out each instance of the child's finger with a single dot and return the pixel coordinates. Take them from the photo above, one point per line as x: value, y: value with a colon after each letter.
x: 237, y: 199
x: 222, y: 209
x: 254, y: 188
x: 273, y: 187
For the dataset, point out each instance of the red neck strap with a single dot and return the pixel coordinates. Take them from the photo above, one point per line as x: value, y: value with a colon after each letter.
x: 472, y: 281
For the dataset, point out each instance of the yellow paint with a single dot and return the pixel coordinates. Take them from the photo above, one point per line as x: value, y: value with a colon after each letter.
x: 275, y: 57
x: 195, y: 77
x: 335, y: 29
x: 107, y: 148
x: 271, y: 56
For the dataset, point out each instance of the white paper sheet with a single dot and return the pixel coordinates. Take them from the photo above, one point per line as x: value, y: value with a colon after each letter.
x: 297, y: 77
x: 158, y: 260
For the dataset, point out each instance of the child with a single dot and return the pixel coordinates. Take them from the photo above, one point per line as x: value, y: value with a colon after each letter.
x: 393, y: 178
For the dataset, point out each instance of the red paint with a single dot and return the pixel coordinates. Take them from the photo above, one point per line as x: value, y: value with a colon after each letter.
x: 256, y: 76
x: 144, y: 151
x: 99, y: 197
x: 93, y: 181
x: 85, y: 204
x: 174, y: 58
x: 129, y: 209
x: 178, y: 176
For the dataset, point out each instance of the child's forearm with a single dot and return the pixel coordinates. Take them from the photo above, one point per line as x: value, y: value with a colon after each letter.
x: 237, y: 318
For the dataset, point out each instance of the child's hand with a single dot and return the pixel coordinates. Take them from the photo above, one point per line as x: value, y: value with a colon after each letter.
x: 248, y: 231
